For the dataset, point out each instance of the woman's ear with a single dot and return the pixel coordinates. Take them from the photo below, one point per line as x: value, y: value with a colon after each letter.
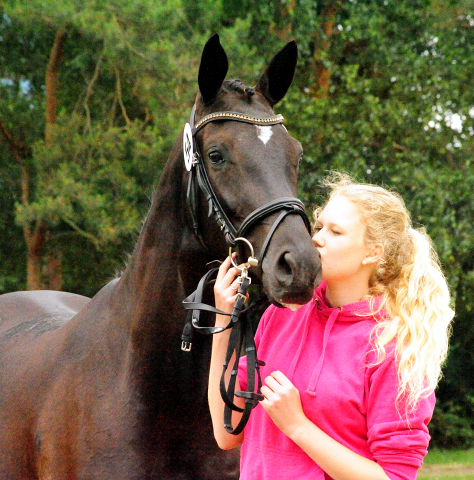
x: 374, y: 255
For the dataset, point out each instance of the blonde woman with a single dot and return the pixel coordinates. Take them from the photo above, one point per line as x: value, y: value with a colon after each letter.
x: 350, y: 376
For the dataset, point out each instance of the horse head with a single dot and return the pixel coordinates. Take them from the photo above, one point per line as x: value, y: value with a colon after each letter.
x: 248, y: 164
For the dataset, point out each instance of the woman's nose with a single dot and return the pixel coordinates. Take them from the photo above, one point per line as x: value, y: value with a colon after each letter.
x: 318, y: 239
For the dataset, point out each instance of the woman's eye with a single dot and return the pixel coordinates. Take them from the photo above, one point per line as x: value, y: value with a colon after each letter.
x: 215, y: 157
x: 336, y: 232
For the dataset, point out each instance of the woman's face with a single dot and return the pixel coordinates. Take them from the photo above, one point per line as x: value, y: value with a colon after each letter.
x: 340, y: 239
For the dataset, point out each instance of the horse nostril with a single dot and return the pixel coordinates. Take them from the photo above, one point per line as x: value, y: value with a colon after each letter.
x: 284, y: 268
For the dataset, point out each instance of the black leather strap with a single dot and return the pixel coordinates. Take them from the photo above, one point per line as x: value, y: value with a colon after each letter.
x: 241, y: 333
x: 293, y: 205
x: 215, y: 207
x: 193, y: 304
x: 251, y: 396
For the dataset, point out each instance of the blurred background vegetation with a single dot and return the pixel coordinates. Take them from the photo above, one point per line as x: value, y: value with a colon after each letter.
x: 93, y: 95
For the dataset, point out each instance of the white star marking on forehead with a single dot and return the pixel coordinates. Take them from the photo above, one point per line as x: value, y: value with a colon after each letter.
x: 264, y: 133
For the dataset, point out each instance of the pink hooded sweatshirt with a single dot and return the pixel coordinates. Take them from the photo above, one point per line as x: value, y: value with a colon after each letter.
x: 326, y: 353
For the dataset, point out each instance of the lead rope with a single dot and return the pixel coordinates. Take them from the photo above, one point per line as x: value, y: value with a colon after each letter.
x: 241, y: 334
x: 242, y: 331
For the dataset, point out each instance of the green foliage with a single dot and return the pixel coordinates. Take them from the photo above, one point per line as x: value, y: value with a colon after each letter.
x: 453, y: 425
x: 12, y: 251
x: 91, y: 182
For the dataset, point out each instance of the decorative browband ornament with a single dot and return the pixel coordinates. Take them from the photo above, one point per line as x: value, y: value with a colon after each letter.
x: 239, y: 117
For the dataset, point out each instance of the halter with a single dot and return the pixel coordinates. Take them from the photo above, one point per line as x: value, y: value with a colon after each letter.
x: 242, y: 334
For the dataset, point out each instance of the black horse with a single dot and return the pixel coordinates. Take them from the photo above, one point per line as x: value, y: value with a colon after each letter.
x: 99, y: 389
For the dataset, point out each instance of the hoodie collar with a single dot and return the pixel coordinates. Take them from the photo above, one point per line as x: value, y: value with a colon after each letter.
x: 354, y: 312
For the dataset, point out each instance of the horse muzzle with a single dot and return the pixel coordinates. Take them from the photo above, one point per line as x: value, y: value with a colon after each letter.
x: 291, y: 268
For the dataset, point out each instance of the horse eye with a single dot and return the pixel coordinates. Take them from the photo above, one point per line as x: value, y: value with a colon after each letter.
x: 299, y: 163
x: 215, y: 157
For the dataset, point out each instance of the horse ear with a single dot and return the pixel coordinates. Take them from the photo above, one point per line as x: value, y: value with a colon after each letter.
x: 213, y: 69
x: 277, y: 78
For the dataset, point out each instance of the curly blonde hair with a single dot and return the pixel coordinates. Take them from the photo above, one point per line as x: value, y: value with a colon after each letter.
x: 409, y: 281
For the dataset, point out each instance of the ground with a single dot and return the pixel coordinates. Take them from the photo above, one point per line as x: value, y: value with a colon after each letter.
x: 446, y: 471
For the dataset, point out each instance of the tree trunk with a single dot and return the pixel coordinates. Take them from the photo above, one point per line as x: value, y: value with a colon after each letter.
x: 35, y: 245
x: 53, y: 262
x: 323, y: 45
x: 34, y: 242
x: 54, y: 270
x: 51, y: 85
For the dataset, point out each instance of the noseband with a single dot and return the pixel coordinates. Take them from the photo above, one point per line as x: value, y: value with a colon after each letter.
x: 241, y: 335
x: 198, y: 178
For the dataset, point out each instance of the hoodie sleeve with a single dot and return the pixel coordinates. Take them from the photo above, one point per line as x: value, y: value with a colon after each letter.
x: 398, y: 440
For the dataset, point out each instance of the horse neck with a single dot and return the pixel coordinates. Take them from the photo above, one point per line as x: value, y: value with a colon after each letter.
x: 147, y: 307
x: 151, y: 290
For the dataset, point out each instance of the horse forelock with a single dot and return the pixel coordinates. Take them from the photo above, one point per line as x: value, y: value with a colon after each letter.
x: 238, y: 86
x: 233, y: 86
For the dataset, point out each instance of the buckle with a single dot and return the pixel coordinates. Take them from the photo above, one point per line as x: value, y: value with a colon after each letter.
x: 186, y: 346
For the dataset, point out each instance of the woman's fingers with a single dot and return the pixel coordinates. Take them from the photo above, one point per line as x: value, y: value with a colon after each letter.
x: 282, y: 402
x: 273, y: 385
x: 227, y: 274
x: 278, y: 383
x: 281, y: 378
x: 277, y: 386
x: 266, y: 392
x: 226, y: 286
x: 223, y: 269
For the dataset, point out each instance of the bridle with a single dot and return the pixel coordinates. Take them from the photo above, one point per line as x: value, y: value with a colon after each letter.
x: 242, y: 333
x: 198, y: 178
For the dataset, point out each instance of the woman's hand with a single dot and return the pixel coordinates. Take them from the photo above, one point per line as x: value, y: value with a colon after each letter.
x: 282, y: 402
x: 225, y: 290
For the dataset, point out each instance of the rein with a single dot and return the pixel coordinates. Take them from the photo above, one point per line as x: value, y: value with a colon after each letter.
x: 241, y: 334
